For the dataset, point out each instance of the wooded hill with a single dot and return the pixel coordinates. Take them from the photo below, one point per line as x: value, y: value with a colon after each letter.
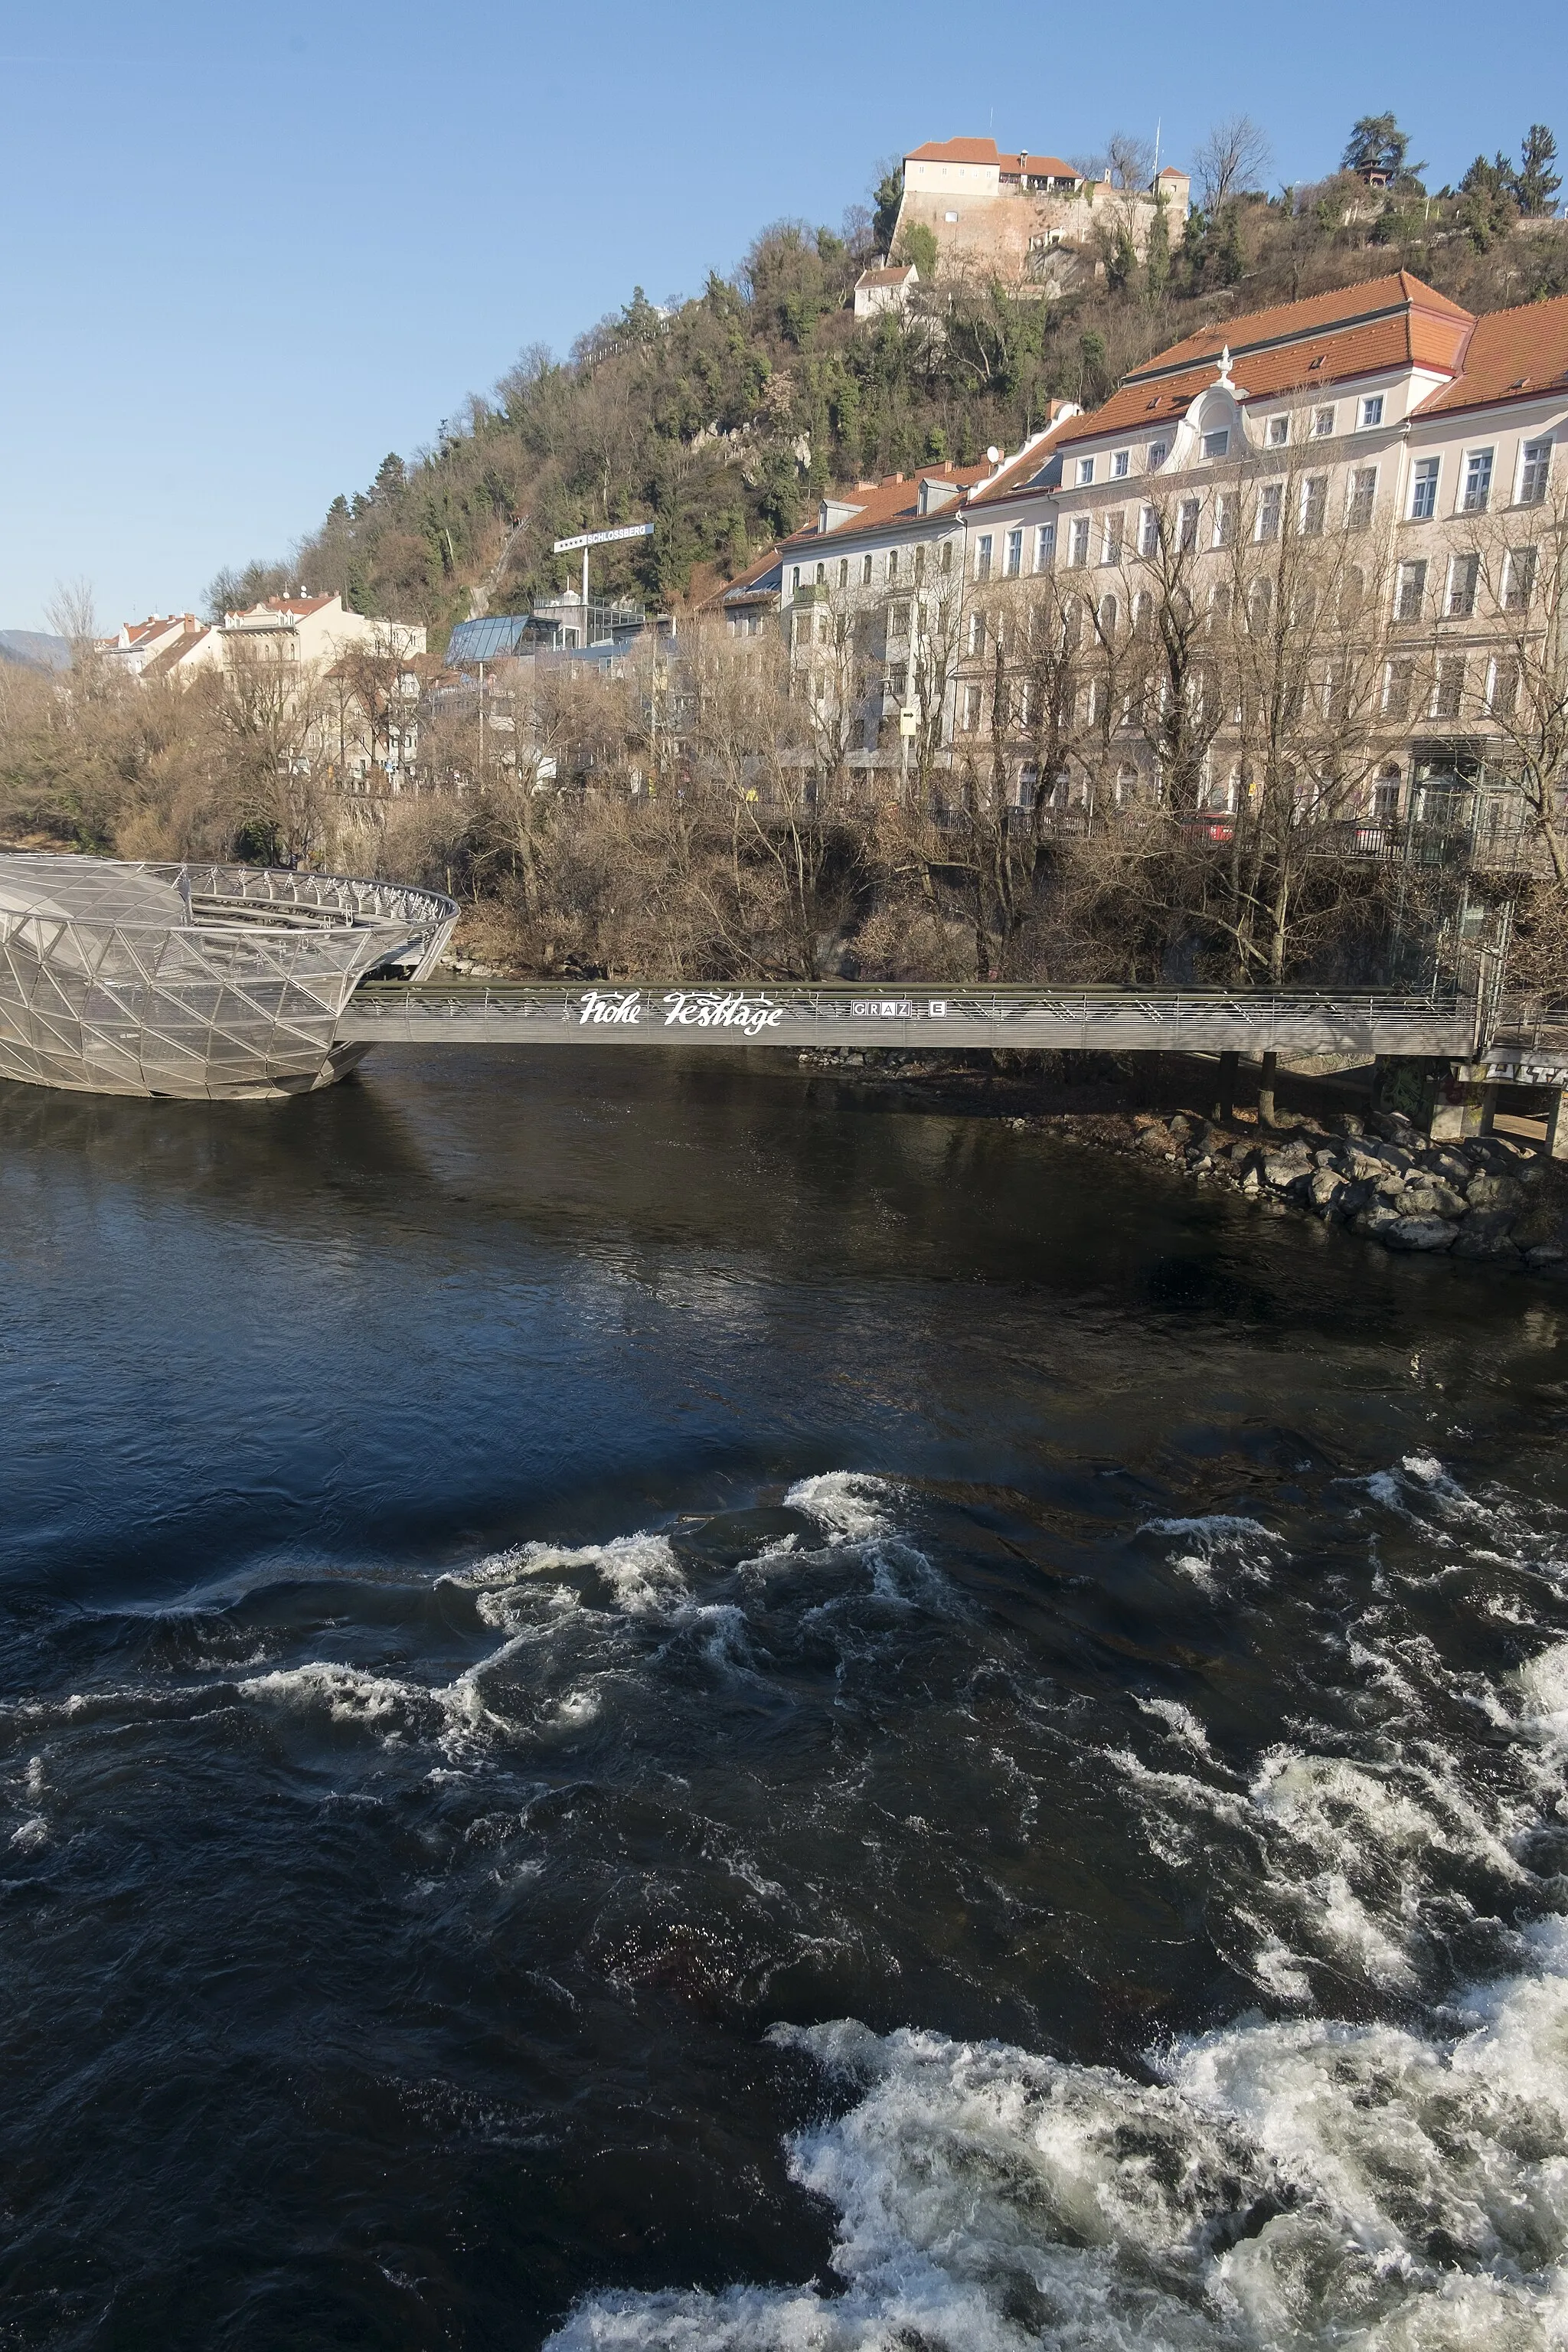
x: 724, y: 419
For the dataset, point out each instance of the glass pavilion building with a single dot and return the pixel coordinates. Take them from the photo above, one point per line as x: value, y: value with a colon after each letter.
x: 219, y: 981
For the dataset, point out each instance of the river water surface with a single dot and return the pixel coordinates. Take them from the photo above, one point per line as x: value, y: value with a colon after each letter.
x: 643, y: 1704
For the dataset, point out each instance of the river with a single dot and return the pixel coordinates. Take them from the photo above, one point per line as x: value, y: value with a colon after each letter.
x: 647, y: 1704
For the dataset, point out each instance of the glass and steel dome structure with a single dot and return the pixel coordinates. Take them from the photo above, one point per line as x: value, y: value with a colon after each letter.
x: 217, y: 981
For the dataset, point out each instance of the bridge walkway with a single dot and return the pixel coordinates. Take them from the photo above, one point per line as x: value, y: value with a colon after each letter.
x: 931, y: 1018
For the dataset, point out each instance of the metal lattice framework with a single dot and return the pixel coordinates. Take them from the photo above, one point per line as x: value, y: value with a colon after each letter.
x: 196, y: 981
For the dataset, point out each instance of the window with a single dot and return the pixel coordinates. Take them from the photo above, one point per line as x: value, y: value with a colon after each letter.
x: 795, y: 578
x: 947, y: 555
x: 1270, y: 500
x: 1148, y: 532
x: 1119, y: 462
x: 982, y: 556
x: 1109, y: 612
x: 1323, y: 423
x: 1021, y: 700
x: 1278, y: 432
x: 1260, y: 605
x: 971, y: 709
x: 865, y: 570
x: 1187, y: 523
x: 1399, y: 685
x: 976, y: 633
x: 892, y: 562
x: 1519, y: 580
x: 821, y: 575
x: 1411, y: 596
x: 1077, y: 544
x: 1110, y: 545
x: 1423, y: 490
x: 1385, y: 797
x: 1015, y: 562
x: 919, y: 562
x: 1225, y: 508
x: 844, y: 571
x: 898, y: 681
x: 1464, y: 570
x: 1534, y: 472
x: 1314, y: 505
x: 1217, y: 444
x: 1502, y: 692
x: 1476, y: 494
x: 898, y: 620
x: 1045, y: 546
x: 1086, y: 469
x: 1371, y: 410
x: 1448, y: 687
x: 1158, y: 453
x: 1362, y: 494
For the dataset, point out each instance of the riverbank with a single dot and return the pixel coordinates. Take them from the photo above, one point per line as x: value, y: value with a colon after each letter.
x: 1493, y: 1198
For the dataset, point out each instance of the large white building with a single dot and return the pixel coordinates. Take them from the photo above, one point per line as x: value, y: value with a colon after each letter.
x: 1384, y: 410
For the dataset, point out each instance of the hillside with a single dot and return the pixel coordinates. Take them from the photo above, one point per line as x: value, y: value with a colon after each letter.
x: 726, y: 419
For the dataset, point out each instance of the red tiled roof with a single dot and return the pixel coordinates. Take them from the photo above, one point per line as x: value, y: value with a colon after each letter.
x: 298, y: 605
x: 1017, y: 473
x: 985, y: 151
x: 1384, y: 322
x: 953, y: 151
x: 887, y: 502
x: 886, y: 277
x: 1513, y: 355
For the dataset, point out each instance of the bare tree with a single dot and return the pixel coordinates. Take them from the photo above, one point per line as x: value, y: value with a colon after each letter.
x: 1234, y: 156
x: 1515, y: 685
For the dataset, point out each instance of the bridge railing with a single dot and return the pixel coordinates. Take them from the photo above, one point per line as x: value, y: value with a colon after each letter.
x: 994, y: 1013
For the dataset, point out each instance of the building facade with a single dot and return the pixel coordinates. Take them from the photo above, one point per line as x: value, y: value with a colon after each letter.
x: 1033, y: 221
x: 1380, y: 456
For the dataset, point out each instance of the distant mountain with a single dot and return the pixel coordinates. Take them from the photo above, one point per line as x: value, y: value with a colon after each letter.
x: 33, y: 647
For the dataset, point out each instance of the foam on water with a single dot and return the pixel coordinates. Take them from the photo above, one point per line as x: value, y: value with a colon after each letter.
x: 1304, y: 2184
x: 849, y: 1502
x: 1285, y: 2185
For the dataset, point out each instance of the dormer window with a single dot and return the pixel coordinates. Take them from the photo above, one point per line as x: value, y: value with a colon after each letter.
x: 1086, y: 469
x: 1217, y: 443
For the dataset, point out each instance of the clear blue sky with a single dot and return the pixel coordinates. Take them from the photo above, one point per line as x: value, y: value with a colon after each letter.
x: 248, y: 251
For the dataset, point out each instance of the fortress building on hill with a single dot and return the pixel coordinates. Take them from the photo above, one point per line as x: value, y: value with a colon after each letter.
x: 1032, y: 221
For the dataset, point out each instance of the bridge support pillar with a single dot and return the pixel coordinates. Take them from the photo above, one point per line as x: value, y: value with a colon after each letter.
x: 1557, y: 1126
x: 1225, y: 1085
x: 1461, y: 1107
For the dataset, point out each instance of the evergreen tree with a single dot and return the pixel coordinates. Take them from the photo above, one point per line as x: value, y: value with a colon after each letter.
x: 1157, y: 254
x: 888, y: 195
x: 1535, y: 183
x: 1376, y: 143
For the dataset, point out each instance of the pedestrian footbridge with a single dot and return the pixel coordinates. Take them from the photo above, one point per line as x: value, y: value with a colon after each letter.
x: 935, y: 1018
